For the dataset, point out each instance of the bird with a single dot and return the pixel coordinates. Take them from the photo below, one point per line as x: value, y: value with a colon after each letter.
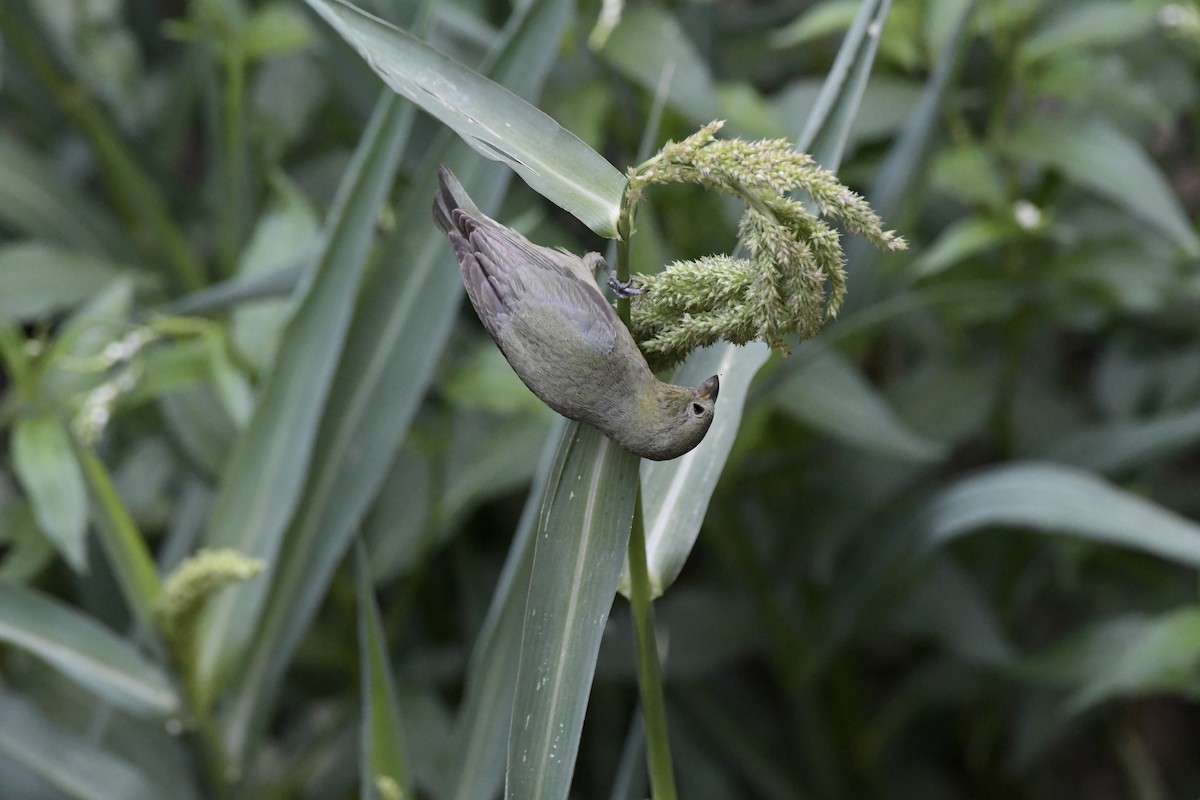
x: 544, y: 311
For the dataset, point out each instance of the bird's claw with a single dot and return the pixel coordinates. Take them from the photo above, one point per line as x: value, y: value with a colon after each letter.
x: 623, y: 289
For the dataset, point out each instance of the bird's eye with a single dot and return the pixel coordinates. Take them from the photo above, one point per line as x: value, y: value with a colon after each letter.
x: 697, y: 409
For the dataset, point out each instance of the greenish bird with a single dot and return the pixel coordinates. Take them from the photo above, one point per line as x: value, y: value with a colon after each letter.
x: 562, y: 338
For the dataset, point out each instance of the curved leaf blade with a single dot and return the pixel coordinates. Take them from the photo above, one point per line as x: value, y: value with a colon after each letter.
x: 578, y: 553
x: 488, y: 117
x: 1057, y: 499
x: 68, y: 762
x: 389, y: 360
x: 674, y: 500
x: 383, y: 761
x: 678, y: 493
x: 1100, y: 157
x: 265, y: 475
x: 85, y: 651
x: 45, y: 463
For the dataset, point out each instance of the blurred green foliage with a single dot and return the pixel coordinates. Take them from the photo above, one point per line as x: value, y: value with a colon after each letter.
x: 952, y: 554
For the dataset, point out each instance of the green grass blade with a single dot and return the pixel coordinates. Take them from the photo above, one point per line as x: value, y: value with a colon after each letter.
x: 488, y: 116
x: 904, y: 166
x: 475, y: 767
x: 390, y: 356
x: 85, y: 651
x: 1055, y: 499
x: 42, y: 458
x: 828, y: 126
x: 578, y: 553
x: 1124, y: 444
x: 73, y: 765
x: 383, y: 761
x: 673, y: 498
x: 266, y: 472
x: 648, y: 41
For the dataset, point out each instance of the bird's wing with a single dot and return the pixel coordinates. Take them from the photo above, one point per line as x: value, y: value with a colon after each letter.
x: 512, y: 272
x: 502, y: 270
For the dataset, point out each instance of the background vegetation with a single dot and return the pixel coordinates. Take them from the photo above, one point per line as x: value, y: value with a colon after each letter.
x: 951, y: 553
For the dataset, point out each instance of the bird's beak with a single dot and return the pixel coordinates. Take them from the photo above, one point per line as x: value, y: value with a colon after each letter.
x: 709, y: 389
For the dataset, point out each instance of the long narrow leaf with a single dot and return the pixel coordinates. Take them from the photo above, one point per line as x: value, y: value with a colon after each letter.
x: 1101, y: 157
x: 578, y: 554
x: 1057, y: 499
x: 678, y: 486
x: 475, y: 766
x: 391, y: 351
x: 72, y: 765
x: 673, y: 491
x: 383, y: 760
x: 487, y: 116
x: 50, y: 474
x: 266, y: 472
x: 90, y: 654
x: 905, y: 161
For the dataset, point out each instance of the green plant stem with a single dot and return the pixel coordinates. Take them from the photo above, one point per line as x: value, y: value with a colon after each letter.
x: 134, y: 194
x: 207, y: 741
x: 650, y: 686
x: 624, y: 227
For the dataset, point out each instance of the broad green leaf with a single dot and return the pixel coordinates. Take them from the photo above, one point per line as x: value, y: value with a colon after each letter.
x: 279, y: 281
x: 26, y: 549
x: 275, y: 29
x: 392, y: 349
x: 1057, y: 499
x: 488, y: 117
x: 82, y: 340
x: 201, y: 426
x: 1091, y: 24
x: 1123, y: 657
x: 488, y: 457
x: 673, y: 498
x: 383, y: 760
x: 72, y: 764
x: 1128, y: 443
x: 85, y: 651
x: 578, y: 552
x: 41, y: 279
x: 830, y: 395
x: 474, y: 768
x: 1098, y: 156
x: 650, y: 46
x: 45, y: 463
x: 264, y: 477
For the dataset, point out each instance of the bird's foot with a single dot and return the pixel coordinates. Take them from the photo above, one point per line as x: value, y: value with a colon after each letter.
x: 622, y: 289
